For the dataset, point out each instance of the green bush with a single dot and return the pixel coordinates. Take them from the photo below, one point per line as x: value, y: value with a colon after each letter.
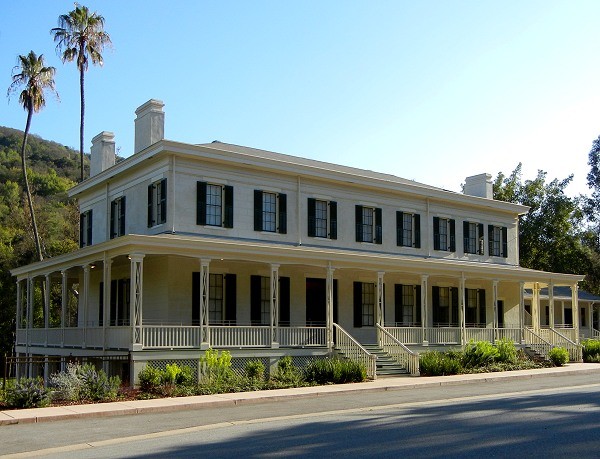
x: 150, y: 380
x: 176, y: 375
x: 287, y: 375
x: 27, y: 393
x: 66, y: 385
x: 591, y: 350
x: 435, y: 363
x: 507, y: 352
x: 334, y: 371
x: 558, y: 356
x: 96, y: 385
x: 216, y: 366
x: 479, y: 353
x: 254, y: 369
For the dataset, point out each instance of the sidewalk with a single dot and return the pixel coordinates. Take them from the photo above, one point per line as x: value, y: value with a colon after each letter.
x: 200, y: 401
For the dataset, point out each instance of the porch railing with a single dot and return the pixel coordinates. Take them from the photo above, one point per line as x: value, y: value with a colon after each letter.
x: 240, y: 336
x: 537, y: 343
x: 73, y: 337
x: 302, y: 336
x: 479, y: 334
x: 513, y: 334
x: 443, y: 335
x: 595, y: 333
x: 118, y: 337
x: 406, y: 335
x: 398, y: 351
x: 352, y: 350
x: 558, y: 339
x: 170, y: 336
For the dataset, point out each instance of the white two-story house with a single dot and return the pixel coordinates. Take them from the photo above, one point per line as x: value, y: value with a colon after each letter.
x: 186, y: 247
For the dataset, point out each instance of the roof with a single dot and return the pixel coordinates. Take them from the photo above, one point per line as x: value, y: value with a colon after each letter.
x: 564, y: 292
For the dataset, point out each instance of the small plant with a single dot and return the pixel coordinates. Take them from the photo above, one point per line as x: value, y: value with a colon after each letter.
x: 335, y: 371
x: 287, y: 373
x: 28, y: 393
x: 255, y: 370
x: 215, y: 366
x: 150, y: 380
x: 559, y: 356
x: 479, y: 353
x: 591, y: 350
x: 507, y: 352
x: 96, y: 385
x: 66, y: 384
x: 435, y: 363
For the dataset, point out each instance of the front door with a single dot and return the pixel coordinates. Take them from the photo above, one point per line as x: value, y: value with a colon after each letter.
x: 316, y: 302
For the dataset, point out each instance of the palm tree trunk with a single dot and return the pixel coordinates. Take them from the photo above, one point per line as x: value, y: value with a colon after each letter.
x: 81, y: 73
x: 36, y: 235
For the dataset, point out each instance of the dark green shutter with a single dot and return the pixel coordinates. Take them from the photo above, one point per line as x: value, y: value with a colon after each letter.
x: 452, y: 235
x: 418, y: 302
x: 482, y: 307
x: 228, y: 220
x: 480, y: 240
x: 311, y: 217
x: 436, y: 233
x: 122, y: 216
x: 230, y: 298
x: 435, y: 301
x: 399, y: 227
x: 358, y: 221
x: 200, y: 203
x: 284, y: 301
x: 357, y: 304
x: 101, y: 305
x: 113, y: 232
x: 89, y: 227
x: 417, y: 220
x: 282, y: 213
x: 335, y: 301
x: 333, y: 220
x: 504, y: 242
x: 163, y: 201
x: 113, y: 302
x: 378, y: 227
x: 491, y: 240
x: 150, y: 206
x: 255, y: 300
x: 398, y: 303
x: 81, y: 229
x: 454, y: 299
x: 466, y: 237
x: 195, y: 298
x: 258, y: 211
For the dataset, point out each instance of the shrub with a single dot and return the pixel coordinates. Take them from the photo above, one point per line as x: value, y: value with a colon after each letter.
x: 507, y: 352
x: 28, y: 393
x: 591, y: 350
x: 174, y: 374
x: 479, y: 353
x: 216, y: 367
x: 150, y: 380
x: 96, y: 385
x: 336, y: 371
x: 287, y: 374
x: 558, y: 356
x: 435, y: 363
x: 254, y: 369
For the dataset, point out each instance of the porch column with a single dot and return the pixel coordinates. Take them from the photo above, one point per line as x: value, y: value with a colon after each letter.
x: 106, y: 294
x: 28, y: 318
x: 19, y: 306
x: 85, y: 302
x: 379, y: 304
x: 329, y: 311
x: 575, y: 308
x: 551, y: 305
x: 522, y: 311
x: 461, y: 309
x: 274, y: 305
x: 204, y: 295
x: 591, y: 318
x: 495, y: 306
x: 63, y: 305
x: 424, y: 320
x: 135, y: 301
x: 535, y: 308
x: 46, y: 306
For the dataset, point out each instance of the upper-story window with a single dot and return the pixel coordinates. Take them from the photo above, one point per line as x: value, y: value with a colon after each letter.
x: 322, y: 218
x: 214, y: 205
x: 85, y: 228
x: 368, y: 224
x: 270, y: 212
x: 443, y: 234
x: 497, y: 236
x: 408, y: 229
x: 473, y: 238
x: 157, y: 203
x: 117, y: 217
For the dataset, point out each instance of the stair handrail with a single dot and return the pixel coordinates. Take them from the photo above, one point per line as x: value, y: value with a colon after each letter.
x: 353, y: 350
x: 398, y: 351
x: 595, y: 333
x: 537, y: 343
x: 575, y: 350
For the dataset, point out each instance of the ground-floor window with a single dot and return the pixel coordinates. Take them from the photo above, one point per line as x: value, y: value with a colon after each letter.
x: 475, y: 307
x: 445, y: 306
x: 364, y: 304
x: 407, y: 305
x: 215, y: 299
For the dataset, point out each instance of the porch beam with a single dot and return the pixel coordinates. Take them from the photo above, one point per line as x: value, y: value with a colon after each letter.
x: 136, y: 299
x: 551, y: 304
x: 461, y: 308
x: 274, y: 305
x: 329, y: 311
x: 575, y: 308
x: 424, y: 319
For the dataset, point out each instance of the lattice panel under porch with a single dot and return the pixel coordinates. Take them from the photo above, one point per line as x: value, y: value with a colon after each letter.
x: 238, y: 364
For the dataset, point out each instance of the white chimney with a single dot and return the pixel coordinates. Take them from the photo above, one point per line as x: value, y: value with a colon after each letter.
x: 149, y: 124
x: 479, y: 185
x: 102, y: 152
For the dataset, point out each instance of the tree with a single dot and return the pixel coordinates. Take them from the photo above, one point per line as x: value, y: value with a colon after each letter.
x: 80, y: 36
x: 37, y: 78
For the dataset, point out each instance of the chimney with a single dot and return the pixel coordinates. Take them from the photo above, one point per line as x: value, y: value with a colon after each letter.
x: 102, y: 152
x: 149, y: 124
x: 479, y: 185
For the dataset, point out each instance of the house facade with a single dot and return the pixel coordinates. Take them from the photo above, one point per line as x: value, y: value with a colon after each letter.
x: 188, y: 247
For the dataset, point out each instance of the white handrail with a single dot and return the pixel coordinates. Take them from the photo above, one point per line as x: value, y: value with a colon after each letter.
x: 352, y: 350
x: 575, y: 350
x: 398, y: 351
x: 537, y: 343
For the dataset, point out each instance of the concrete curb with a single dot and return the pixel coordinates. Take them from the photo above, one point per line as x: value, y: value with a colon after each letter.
x: 166, y: 405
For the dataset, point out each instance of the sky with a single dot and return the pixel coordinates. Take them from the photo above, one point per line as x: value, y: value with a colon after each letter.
x: 432, y: 91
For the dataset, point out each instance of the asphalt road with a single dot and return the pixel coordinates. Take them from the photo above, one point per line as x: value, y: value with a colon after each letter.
x: 557, y: 416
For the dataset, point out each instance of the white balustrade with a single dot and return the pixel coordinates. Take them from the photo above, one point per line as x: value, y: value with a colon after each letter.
x: 302, y: 336
x: 479, y: 334
x: 240, y: 336
x: 352, y: 350
x: 443, y: 335
x: 406, y: 335
x: 537, y: 342
x: 170, y: 336
x: 595, y: 333
x: 513, y: 334
x: 398, y: 351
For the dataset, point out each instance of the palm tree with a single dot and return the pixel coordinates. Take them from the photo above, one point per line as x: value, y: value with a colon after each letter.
x: 80, y: 36
x: 36, y: 77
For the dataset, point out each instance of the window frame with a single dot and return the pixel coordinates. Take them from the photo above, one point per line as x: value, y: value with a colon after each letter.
x: 157, y: 203
x: 279, y: 214
x: 86, y: 223
x: 448, y: 224
x: 117, y: 217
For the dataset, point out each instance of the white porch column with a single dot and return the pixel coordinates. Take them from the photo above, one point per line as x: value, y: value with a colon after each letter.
x: 28, y: 315
x: 551, y: 304
x: 380, y: 304
x: 63, y: 305
x: 461, y: 309
x: 204, y: 296
x: 591, y: 318
x: 535, y: 308
x: 46, y: 297
x: 106, y: 294
x: 19, y: 306
x: 274, y: 305
x: 522, y: 310
x: 329, y: 311
x: 85, y: 300
x: 136, y: 291
x: 424, y: 320
x: 495, y: 306
x: 575, y: 308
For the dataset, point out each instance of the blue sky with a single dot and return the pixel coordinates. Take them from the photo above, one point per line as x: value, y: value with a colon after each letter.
x: 427, y: 90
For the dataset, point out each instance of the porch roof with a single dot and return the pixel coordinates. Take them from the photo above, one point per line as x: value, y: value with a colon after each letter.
x: 564, y: 293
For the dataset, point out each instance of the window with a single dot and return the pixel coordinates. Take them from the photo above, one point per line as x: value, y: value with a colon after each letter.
x: 214, y: 205
x: 215, y: 299
x: 157, y: 203
x: 120, y: 297
x: 408, y: 305
x: 497, y: 236
x: 260, y: 300
x: 85, y: 229
x: 445, y: 306
x: 368, y: 304
x: 322, y: 218
x: 408, y: 228
x: 443, y: 234
x: 270, y: 212
x: 117, y: 217
x: 475, y: 307
x: 473, y: 238
x: 368, y: 224
x: 222, y: 299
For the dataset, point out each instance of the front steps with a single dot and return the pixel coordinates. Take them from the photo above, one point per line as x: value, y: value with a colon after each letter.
x: 386, y: 365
